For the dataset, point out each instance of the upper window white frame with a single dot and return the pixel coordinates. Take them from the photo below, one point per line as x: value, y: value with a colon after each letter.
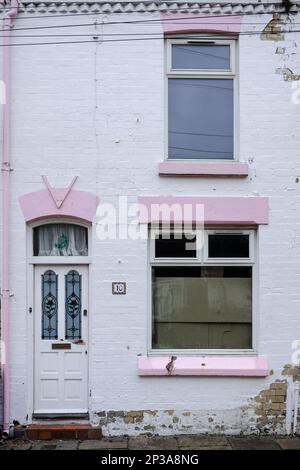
x: 203, y: 73
x: 231, y: 74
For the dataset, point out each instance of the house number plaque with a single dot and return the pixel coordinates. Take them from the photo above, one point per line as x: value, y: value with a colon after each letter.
x: 119, y: 288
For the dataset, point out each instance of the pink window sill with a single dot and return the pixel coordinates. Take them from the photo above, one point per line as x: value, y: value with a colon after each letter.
x: 204, y: 169
x: 231, y: 366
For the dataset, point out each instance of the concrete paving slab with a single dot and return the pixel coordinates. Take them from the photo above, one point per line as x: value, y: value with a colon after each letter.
x: 207, y: 448
x: 198, y: 442
x: 182, y: 442
x: 55, y: 445
x: 152, y: 443
x: 289, y: 444
x: 252, y: 443
x: 104, y: 444
x: 16, y: 444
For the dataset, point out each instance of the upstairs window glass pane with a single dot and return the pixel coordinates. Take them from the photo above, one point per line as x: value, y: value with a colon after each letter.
x: 200, y: 118
x: 200, y: 57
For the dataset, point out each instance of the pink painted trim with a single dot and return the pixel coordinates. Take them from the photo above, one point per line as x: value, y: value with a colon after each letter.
x: 7, y: 24
x: 217, y: 210
x: 197, y: 22
x: 59, y: 200
x: 242, y: 366
x: 40, y: 204
x: 233, y: 170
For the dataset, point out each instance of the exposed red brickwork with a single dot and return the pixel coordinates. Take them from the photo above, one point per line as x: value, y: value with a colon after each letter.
x: 62, y: 431
x: 270, y: 408
x: 270, y: 404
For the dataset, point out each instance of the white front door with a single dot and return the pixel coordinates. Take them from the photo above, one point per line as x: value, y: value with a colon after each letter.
x: 61, y: 339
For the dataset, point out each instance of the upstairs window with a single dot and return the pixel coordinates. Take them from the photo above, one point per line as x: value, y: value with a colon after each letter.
x: 201, y: 88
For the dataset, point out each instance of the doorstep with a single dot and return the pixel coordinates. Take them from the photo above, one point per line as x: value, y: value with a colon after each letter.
x: 62, y: 431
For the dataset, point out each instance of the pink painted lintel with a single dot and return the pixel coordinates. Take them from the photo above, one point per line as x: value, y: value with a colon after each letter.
x: 40, y: 204
x: 59, y: 195
x: 222, y: 210
x: 241, y: 366
x: 200, y: 22
x: 204, y: 169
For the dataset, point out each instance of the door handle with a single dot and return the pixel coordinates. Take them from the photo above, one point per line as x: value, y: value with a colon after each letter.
x: 85, y: 312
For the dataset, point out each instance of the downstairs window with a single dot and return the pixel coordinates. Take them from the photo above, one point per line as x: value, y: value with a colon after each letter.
x: 203, y: 301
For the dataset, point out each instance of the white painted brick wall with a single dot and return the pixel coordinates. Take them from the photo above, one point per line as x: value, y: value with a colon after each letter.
x: 97, y: 111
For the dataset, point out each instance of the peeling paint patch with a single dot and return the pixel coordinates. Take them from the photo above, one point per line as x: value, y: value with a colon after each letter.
x: 151, y: 412
x: 293, y: 371
x: 170, y: 365
x: 288, y: 74
x: 149, y: 427
x: 280, y: 50
x: 264, y: 413
x: 273, y: 30
x: 270, y: 407
x: 169, y: 422
x: 133, y: 417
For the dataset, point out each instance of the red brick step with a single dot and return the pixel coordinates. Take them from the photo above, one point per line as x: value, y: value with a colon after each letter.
x: 62, y: 431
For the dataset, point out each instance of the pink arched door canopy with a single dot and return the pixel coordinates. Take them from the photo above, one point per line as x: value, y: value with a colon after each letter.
x: 58, y: 202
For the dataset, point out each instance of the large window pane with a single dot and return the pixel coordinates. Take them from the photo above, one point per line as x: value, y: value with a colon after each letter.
x: 200, y: 56
x: 202, y: 308
x: 200, y: 118
x: 228, y: 246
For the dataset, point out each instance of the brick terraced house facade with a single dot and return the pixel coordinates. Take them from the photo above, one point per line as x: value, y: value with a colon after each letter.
x: 192, y: 111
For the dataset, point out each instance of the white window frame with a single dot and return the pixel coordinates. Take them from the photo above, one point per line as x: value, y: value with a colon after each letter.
x: 249, y: 259
x: 201, y: 261
x: 155, y: 232
x: 204, y: 73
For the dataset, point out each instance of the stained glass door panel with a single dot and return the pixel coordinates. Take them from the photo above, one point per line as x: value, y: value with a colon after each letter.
x: 73, y: 305
x: 49, y: 305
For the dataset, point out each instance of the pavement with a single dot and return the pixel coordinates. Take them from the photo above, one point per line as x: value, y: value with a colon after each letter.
x: 183, y: 442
